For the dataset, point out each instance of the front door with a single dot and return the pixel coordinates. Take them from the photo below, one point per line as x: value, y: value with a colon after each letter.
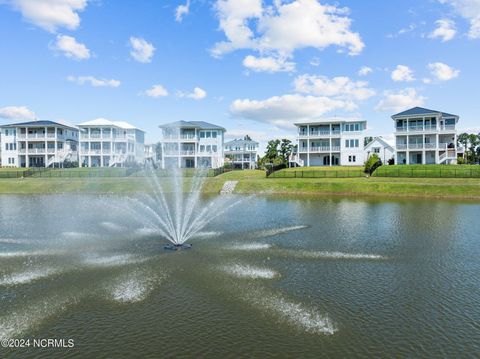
x: 419, y: 158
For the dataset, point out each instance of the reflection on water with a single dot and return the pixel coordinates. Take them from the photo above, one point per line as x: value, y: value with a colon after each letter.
x: 275, y: 278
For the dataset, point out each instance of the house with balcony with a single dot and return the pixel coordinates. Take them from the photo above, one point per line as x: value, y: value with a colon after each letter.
x: 105, y: 143
x: 241, y: 153
x: 192, y: 144
x: 424, y: 136
x: 329, y: 142
x: 38, y: 144
x: 382, y: 148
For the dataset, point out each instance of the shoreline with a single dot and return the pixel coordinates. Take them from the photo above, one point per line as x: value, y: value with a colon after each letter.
x: 376, y: 188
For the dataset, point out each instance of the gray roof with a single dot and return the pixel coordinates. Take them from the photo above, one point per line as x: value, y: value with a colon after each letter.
x: 193, y: 124
x: 240, y: 142
x: 381, y: 140
x: 421, y: 111
x: 41, y: 123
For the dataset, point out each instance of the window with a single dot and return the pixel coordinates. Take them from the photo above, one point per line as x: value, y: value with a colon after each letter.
x: 214, y: 148
x: 357, y: 127
x: 214, y: 134
x: 356, y: 144
x: 352, y: 158
x: 6, y: 146
x: 202, y: 134
x: 208, y: 134
x: 347, y: 143
x: 202, y: 148
x: 209, y: 148
x: 376, y: 150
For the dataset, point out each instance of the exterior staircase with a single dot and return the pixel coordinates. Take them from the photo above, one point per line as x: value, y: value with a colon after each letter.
x: 296, y: 160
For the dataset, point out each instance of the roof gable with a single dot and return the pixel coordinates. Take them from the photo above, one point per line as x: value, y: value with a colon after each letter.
x: 421, y: 111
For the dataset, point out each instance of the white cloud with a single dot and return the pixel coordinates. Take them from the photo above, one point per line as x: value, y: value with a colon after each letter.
x: 283, y: 111
x: 69, y: 46
x: 51, y: 14
x: 280, y: 29
x: 142, y: 50
x: 181, y: 11
x: 470, y: 10
x: 445, y: 30
x: 401, y: 100
x: 81, y: 80
x: 268, y: 64
x: 17, y: 113
x: 443, y: 72
x: 339, y: 87
x: 364, y: 71
x: 402, y: 74
x: 157, y: 91
x: 197, y: 94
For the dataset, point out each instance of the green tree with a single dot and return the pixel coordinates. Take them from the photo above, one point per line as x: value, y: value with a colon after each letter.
x: 367, y: 140
x: 247, y: 138
x: 272, y: 150
x: 286, y: 149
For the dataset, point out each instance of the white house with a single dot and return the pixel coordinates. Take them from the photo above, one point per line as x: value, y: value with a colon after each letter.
x: 105, y: 143
x: 381, y: 147
x: 332, y: 142
x: 424, y: 136
x: 38, y: 144
x: 242, y: 153
x: 192, y: 144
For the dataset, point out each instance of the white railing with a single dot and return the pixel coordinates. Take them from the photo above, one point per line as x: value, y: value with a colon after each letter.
x: 430, y: 145
x: 415, y: 146
x: 401, y: 146
x: 401, y: 129
x: 430, y: 127
x: 335, y: 148
x: 335, y: 132
x: 442, y: 157
x: 447, y: 128
x: 36, y: 150
x: 415, y: 128
x: 320, y: 149
x: 303, y: 150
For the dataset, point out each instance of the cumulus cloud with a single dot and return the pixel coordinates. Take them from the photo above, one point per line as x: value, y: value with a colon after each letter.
x: 197, y: 94
x: 469, y: 10
x: 445, y: 30
x: 51, y: 14
x: 280, y: 29
x: 70, y: 48
x: 17, y: 113
x: 282, y: 111
x: 402, y: 73
x: 156, y: 91
x: 142, y: 50
x: 181, y: 11
x: 93, y: 81
x: 340, y: 87
x: 268, y: 64
x: 400, y: 100
x: 443, y: 72
x: 364, y: 71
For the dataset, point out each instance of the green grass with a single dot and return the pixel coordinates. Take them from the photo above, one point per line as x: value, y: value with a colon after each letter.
x: 429, y: 171
x: 320, y: 172
x: 255, y: 182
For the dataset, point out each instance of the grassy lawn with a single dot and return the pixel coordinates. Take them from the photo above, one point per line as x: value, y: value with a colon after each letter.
x: 429, y: 171
x: 320, y: 172
x: 255, y: 182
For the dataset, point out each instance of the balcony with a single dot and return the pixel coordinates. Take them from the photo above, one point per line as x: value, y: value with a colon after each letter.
x: 415, y: 146
x: 430, y: 146
x: 320, y: 149
x: 415, y: 128
x: 448, y: 128
x: 401, y: 146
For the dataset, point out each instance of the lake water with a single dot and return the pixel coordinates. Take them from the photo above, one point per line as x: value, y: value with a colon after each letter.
x: 272, y: 278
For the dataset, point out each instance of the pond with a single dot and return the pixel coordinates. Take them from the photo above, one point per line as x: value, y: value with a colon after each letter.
x: 270, y: 278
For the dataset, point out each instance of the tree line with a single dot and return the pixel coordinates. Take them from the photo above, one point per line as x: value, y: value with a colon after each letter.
x: 471, y: 143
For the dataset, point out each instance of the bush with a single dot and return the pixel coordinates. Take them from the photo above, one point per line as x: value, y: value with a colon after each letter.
x: 391, y: 161
x: 372, y: 163
x: 461, y: 161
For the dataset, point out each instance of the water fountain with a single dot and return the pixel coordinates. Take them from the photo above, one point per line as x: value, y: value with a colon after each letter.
x: 174, y: 206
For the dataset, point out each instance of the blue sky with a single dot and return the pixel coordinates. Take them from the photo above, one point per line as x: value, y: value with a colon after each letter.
x: 252, y: 66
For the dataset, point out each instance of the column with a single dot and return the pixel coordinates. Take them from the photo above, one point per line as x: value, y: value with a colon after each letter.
x: 424, y: 160
x: 55, y: 143
x: 46, y: 147
x: 26, y: 148
x: 407, y: 151
x: 437, y: 146
x: 330, y: 146
x: 308, y: 145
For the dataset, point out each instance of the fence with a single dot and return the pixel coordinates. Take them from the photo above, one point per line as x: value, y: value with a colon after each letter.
x: 103, y: 172
x: 318, y: 174
x: 385, y: 171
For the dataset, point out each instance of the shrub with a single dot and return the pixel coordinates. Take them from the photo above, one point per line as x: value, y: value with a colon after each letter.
x: 372, y: 163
